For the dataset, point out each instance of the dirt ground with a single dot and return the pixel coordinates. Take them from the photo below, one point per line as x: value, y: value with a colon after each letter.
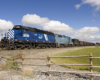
x: 36, y: 52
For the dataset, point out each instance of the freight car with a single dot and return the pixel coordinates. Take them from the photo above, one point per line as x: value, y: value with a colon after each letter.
x: 76, y: 42
x: 88, y: 44
x: 85, y: 43
x: 81, y: 43
x: 92, y: 44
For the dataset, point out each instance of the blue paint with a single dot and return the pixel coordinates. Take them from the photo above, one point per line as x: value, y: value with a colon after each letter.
x: 62, y: 40
x: 32, y: 36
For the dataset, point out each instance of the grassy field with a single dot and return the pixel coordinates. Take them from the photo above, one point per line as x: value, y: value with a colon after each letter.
x: 95, y: 52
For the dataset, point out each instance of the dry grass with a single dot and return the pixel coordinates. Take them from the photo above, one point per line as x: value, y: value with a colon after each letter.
x: 11, y: 65
x: 3, y: 67
x: 20, y: 55
x: 28, y: 71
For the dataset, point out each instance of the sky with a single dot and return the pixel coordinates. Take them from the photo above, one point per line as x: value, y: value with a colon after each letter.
x: 75, y: 18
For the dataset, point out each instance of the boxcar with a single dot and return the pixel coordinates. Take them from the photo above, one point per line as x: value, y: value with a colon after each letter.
x: 63, y: 41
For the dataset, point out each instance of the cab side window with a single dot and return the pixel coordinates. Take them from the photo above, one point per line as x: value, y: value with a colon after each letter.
x: 59, y: 36
x: 25, y: 31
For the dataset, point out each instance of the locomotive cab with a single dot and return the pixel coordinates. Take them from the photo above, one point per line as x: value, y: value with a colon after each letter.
x: 21, y: 32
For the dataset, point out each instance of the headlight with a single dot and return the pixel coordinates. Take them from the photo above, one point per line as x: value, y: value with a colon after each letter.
x: 15, y: 39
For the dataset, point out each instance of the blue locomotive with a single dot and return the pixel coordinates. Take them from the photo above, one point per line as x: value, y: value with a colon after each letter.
x: 22, y: 37
x: 63, y: 41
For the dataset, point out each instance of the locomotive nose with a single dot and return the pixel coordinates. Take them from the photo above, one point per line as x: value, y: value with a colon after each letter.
x: 11, y: 34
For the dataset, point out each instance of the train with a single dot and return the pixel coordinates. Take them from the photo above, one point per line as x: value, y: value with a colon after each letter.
x: 27, y: 37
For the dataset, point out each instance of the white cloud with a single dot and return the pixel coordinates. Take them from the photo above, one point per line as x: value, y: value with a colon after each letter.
x: 58, y: 27
x: 50, y: 25
x: 88, y: 30
x: 93, y: 3
x: 5, y: 25
x: 33, y: 19
x: 96, y: 38
x: 77, y: 6
x: 86, y: 34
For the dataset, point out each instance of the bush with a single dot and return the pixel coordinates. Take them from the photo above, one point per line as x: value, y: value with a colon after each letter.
x: 11, y: 65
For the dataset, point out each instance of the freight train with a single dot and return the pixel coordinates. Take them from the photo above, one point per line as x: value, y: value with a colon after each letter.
x: 27, y: 37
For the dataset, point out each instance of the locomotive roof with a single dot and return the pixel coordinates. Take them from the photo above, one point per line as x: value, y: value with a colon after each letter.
x: 75, y: 40
x: 63, y: 36
x: 40, y: 31
x: 33, y: 29
x: 22, y: 27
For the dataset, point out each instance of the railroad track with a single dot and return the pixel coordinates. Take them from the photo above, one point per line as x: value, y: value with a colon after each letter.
x: 40, y: 48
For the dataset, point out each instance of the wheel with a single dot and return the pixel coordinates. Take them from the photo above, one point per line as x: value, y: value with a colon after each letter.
x: 15, y: 47
x: 8, y: 47
x: 33, y: 46
x: 29, y: 47
x: 46, y: 46
x: 50, y: 46
x: 22, y: 47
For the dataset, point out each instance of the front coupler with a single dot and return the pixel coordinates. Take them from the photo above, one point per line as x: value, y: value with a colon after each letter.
x: 3, y: 43
x: 7, y: 44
